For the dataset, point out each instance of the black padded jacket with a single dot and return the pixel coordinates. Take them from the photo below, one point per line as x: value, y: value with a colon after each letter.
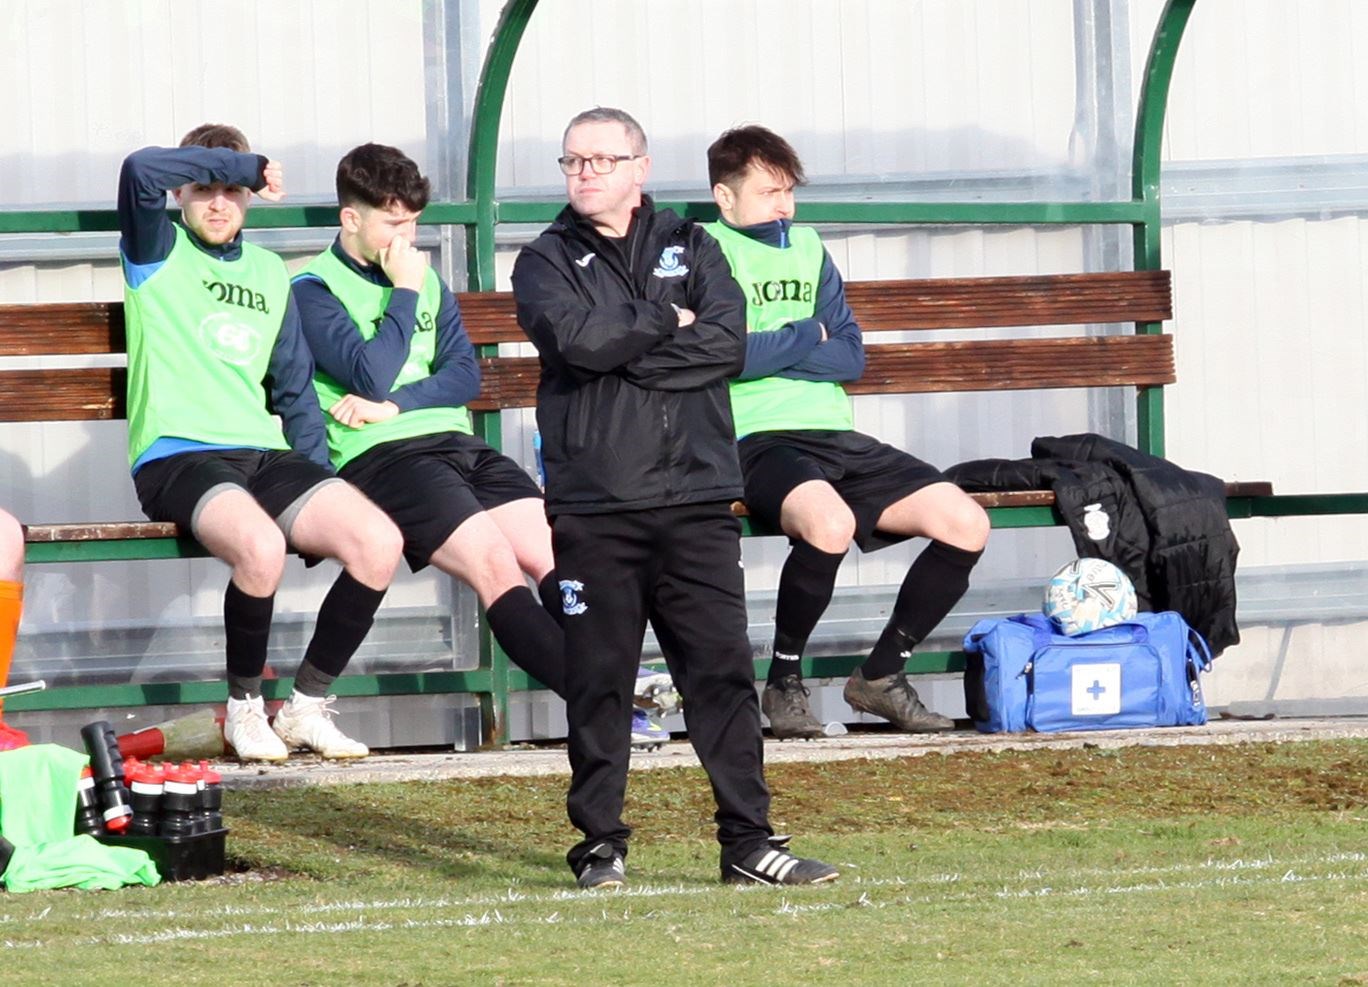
x: 1164, y: 526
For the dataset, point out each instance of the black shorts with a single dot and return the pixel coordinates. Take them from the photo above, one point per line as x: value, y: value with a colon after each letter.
x: 429, y: 485
x: 869, y: 475
x: 177, y: 488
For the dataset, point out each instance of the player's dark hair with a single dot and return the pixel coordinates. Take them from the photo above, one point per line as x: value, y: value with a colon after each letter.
x: 217, y: 135
x: 732, y: 153
x: 381, y: 176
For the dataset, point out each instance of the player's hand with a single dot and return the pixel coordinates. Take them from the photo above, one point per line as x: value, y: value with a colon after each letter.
x: 274, y: 173
x: 404, y: 264
x: 354, y: 411
x: 686, y: 316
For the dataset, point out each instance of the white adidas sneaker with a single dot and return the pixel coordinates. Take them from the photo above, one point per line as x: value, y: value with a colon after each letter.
x: 246, y: 730
x: 307, y: 722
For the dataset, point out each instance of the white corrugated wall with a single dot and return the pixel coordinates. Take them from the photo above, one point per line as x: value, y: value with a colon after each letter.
x: 961, y: 99
x: 86, y: 83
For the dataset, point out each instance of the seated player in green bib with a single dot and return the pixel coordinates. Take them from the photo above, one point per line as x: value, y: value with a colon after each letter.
x: 214, y: 346
x: 395, y: 370
x: 807, y: 470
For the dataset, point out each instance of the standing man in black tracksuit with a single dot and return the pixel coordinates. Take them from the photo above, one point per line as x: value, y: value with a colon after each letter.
x: 639, y: 325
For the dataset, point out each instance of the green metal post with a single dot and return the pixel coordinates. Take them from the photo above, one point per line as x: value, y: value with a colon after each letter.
x: 484, y: 139
x: 1149, y: 139
x: 493, y: 705
x: 483, y: 158
x: 1149, y: 128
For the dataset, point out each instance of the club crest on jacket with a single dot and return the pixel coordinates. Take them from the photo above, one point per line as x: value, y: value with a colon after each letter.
x: 669, y: 265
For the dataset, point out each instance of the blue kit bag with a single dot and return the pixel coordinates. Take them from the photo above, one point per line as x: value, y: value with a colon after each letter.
x: 1021, y: 674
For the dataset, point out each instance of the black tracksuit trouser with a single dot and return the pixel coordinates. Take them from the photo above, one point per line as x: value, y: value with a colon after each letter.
x: 679, y: 568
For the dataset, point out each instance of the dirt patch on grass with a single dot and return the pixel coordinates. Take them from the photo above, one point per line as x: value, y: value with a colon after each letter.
x: 1042, y: 786
x: 238, y: 871
x: 458, y: 825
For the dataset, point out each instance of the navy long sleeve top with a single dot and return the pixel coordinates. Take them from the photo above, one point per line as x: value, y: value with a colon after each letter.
x: 148, y: 235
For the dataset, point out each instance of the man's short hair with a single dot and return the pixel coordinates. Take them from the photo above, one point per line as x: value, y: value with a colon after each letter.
x: 381, y: 176
x: 636, y: 137
x: 732, y: 153
x: 217, y: 135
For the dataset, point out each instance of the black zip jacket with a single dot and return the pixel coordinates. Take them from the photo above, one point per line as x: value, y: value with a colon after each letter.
x: 633, y: 410
x: 1164, y: 526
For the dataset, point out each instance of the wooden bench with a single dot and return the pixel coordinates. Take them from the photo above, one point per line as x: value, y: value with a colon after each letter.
x: 1127, y: 359
x: 1071, y: 360
x: 1068, y: 359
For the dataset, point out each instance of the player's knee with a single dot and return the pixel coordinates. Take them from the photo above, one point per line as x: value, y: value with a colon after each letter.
x: 831, y: 532
x: 260, y: 556
x: 969, y: 526
x: 380, y: 545
x: 11, y: 547
x: 497, y: 570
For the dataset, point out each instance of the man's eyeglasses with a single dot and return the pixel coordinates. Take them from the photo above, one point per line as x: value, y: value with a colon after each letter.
x: 603, y: 164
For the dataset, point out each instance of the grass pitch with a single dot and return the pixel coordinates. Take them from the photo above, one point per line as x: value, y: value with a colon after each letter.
x: 1245, y: 864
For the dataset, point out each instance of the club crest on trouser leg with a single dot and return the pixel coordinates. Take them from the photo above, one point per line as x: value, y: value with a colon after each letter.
x: 571, y: 603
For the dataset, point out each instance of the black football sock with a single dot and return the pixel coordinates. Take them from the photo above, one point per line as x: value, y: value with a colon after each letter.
x: 932, y: 586
x: 805, y: 586
x: 532, y: 639
x: 549, y: 591
x: 312, y: 681
x: 246, y: 628
x: 344, y: 620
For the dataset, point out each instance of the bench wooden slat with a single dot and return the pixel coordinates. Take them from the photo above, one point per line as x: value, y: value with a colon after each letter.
x: 68, y: 394
x: 1016, y: 364
x: 61, y: 328
x: 1046, y: 498
x: 100, y: 531
x: 1045, y: 300
x: 490, y: 317
x: 922, y: 368
x: 124, y: 530
x: 930, y: 303
x: 507, y: 382
x: 936, y: 303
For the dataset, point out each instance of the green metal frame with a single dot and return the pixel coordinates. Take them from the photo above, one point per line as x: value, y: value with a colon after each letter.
x: 480, y: 215
x: 132, y: 550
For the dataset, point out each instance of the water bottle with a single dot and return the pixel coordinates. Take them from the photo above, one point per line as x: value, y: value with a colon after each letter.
x: 106, y: 764
x: 213, y: 795
x: 180, y: 796
x: 199, y: 817
x: 88, y: 820
x: 146, y: 782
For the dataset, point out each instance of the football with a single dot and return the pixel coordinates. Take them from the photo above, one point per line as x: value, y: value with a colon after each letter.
x: 1088, y: 594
